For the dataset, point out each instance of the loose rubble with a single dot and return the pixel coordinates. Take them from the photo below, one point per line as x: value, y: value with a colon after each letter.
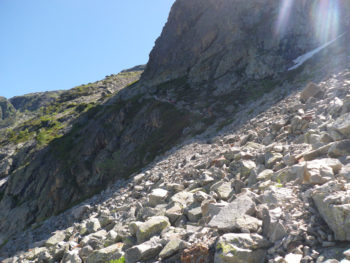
x: 275, y: 189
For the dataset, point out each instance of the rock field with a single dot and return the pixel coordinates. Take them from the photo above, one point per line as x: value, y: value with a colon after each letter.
x: 272, y: 188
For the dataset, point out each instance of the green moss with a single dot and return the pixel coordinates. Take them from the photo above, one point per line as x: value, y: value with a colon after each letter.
x: 226, y: 248
x: 121, y: 260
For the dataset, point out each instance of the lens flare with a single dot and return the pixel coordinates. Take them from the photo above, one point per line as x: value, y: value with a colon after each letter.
x: 325, y: 16
x: 283, y: 16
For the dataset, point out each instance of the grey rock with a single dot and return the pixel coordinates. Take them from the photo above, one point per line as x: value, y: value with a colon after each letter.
x: 341, y: 148
x: 237, y: 215
x: 157, y: 196
x: 172, y: 247
x: 55, y: 239
x: 333, y: 203
x: 342, y: 125
x: 241, y: 248
x: 153, y: 226
x: 107, y: 254
x: 143, y: 252
x: 311, y: 90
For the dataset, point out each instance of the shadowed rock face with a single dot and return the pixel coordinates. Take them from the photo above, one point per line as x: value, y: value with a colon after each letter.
x: 221, y: 41
x: 7, y: 111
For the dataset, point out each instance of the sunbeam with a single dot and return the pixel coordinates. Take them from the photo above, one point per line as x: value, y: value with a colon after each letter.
x: 283, y: 16
x: 325, y: 16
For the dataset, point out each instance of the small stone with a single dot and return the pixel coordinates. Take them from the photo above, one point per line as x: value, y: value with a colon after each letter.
x: 157, y: 196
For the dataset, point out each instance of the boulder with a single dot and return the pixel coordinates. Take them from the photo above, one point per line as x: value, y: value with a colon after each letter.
x: 273, y: 228
x: 246, y: 167
x: 174, y: 212
x: 237, y: 216
x: 151, y: 227
x: 172, y: 247
x: 321, y: 171
x: 107, y: 254
x: 345, y: 172
x: 333, y: 203
x: 194, y: 214
x: 338, y: 149
x: 184, y: 198
x: 241, y: 248
x: 71, y: 257
x: 342, y: 125
x: 223, y: 189
x: 311, y: 90
x: 143, y: 252
x: 55, y: 239
x: 271, y: 158
x: 157, y: 196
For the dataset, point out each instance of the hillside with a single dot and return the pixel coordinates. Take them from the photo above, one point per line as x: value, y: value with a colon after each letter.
x: 228, y: 148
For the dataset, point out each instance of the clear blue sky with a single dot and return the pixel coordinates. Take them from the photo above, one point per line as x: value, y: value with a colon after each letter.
x: 59, y: 44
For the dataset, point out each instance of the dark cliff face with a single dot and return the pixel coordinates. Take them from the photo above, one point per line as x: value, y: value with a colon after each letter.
x: 221, y: 41
x: 7, y: 112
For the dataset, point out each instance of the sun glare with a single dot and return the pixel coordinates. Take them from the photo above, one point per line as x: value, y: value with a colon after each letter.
x: 324, y: 15
x: 283, y: 16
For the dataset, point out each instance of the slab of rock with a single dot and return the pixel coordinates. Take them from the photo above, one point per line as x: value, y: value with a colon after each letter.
x: 338, y: 149
x: 237, y: 216
x: 55, y: 239
x: 112, y: 252
x: 271, y: 158
x: 93, y: 225
x: 321, y: 171
x: 72, y: 257
x: 273, y: 229
x: 172, y: 247
x: 151, y: 227
x: 342, y: 125
x: 174, y: 212
x: 246, y: 167
x: 311, y: 90
x: 184, y: 198
x: 157, y: 196
x: 345, y: 172
x: 241, y: 248
x: 194, y: 214
x: 223, y: 189
x: 146, y: 251
x: 333, y: 203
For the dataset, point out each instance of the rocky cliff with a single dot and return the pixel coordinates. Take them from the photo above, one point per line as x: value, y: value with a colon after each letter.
x: 227, y: 150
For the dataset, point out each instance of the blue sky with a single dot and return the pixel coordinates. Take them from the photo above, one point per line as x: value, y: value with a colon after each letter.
x: 58, y: 44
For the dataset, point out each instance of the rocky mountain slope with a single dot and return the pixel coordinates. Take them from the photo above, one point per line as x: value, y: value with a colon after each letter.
x: 219, y: 154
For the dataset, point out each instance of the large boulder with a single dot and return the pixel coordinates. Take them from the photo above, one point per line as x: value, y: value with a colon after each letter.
x: 338, y: 149
x: 333, y: 203
x: 342, y: 125
x: 151, y: 227
x: 143, y: 252
x: 237, y: 216
x: 107, y: 254
x: 241, y: 248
